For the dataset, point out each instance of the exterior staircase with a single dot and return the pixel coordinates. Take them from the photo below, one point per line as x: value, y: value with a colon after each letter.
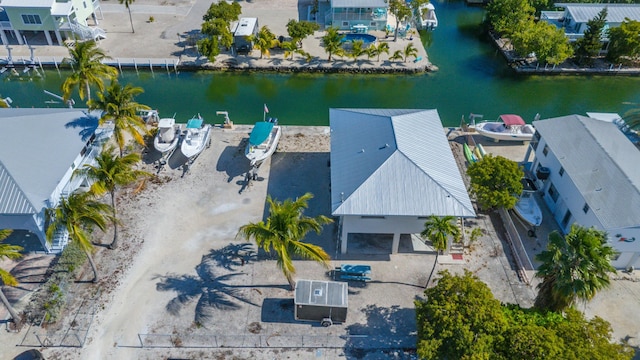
x: 87, y: 32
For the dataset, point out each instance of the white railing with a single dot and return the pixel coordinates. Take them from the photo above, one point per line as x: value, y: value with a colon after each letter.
x: 86, y: 32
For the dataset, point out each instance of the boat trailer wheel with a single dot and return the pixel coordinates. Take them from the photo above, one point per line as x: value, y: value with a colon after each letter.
x: 326, y: 322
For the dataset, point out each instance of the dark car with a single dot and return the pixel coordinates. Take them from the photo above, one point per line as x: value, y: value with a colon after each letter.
x: 32, y: 354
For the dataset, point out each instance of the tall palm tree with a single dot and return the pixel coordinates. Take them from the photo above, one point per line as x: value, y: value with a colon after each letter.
x: 8, y: 252
x: 437, y: 230
x: 409, y: 50
x: 117, y: 104
x: 283, y: 232
x: 332, y: 42
x: 126, y: 4
x: 110, y: 173
x: 378, y: 49
x: 76, y: 215
x: 86, y: 60
x: 264, y: 41
x: 574, y: 267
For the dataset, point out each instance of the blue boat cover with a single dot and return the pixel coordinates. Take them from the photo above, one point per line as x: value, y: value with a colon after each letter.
x: 194, y: 123
x: 260, y: 133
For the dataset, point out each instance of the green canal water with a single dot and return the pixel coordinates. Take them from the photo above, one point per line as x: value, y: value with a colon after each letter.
x: 472, y: 78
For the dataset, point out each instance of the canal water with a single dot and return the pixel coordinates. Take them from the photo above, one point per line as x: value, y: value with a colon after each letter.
x: 472, y: 77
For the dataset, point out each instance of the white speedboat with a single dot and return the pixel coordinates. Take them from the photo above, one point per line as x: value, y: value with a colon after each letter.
x: 527, y: 209
x: 428, y: 18
x: 196, y: 138
x: 263, y: 141
x: 508, y: 127
x: 167, y: 137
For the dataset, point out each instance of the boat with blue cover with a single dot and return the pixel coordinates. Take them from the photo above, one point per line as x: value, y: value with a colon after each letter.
x: 263, y: 141
x: 196, y: 138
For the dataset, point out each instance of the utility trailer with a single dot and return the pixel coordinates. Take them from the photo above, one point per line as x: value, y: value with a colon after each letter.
x: 322, y: 301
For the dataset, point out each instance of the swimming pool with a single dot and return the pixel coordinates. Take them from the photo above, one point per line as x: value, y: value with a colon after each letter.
x: 366, y: 38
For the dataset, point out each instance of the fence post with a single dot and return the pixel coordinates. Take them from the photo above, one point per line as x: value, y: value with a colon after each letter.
x: 140, y: 339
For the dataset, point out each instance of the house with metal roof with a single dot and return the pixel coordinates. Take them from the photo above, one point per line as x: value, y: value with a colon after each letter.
x: 573, y: 19
x: 357, y: 15
x: 390, y: 170
x: 55, y: 19
x: 39, y: 150
x: 593, y: 179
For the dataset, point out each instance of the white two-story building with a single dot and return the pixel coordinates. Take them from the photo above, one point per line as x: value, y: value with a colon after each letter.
x: 589, y: 173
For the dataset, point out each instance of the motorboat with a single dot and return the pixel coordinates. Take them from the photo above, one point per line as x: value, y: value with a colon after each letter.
x: 197, y: 136
x: 527, y: 209
x: 167, y: 137
x: 150, y: 116
x: 263, y: 141
x: 508, y: 127
x: 428, y: 18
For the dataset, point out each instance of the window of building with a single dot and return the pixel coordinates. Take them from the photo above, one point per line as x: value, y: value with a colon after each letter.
x: 553, y: 193
x: 31, y: 19
x: 535, y: 140
x: 84, y: 3
x: 585, y: 208
x: 345, y: 23
x: 545, y: 151
x: 565, y: 220
x: 561, y: 172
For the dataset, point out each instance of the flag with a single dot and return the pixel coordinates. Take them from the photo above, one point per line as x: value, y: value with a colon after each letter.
x: 266, y: 109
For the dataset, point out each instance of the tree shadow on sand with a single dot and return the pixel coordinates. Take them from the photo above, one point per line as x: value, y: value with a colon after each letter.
x: 387, y: 329
x: 212, y: 291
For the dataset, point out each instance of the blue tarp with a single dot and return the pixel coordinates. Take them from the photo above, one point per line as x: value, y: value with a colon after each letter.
x: 194, y: 123
x: 260, y: 133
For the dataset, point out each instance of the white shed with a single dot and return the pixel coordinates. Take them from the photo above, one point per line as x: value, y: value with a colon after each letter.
x: 390, y: 170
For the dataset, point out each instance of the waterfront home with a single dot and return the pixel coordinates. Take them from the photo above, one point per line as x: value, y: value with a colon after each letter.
x: 358, y: 16
x: 390, y: 170
x: 56, y: 20
x: 573, y: 19
x: 39, y: 150
x: 587, y: 171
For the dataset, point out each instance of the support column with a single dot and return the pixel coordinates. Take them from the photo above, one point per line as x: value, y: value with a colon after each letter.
x: 344, y: 235
x: 59, y: 37
x: 3, y: 37
x: 19, y: 37
x: 528, y: 153
x: 48, y: 36
x: 396, y: 243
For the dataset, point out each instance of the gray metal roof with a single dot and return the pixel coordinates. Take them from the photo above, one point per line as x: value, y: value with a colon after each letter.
x: 359, y: 4
x: 37, y: 147
x: 321, y: 293
x: 616, y: 13
x: 602, y: 163
x: 388, y: 162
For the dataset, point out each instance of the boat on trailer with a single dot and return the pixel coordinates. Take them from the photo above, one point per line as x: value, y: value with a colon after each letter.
x: 508, y: 127
x: 167, y: 137
x: 196, y: 138
x: 263, y: 141
x: 528, y: 210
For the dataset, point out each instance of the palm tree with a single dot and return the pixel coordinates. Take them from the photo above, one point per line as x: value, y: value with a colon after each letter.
x: 117, y: 104
x: 110, y: 173
x: 332, y: 42
x: 574, y: 267
x: 264, y: 41
x: 358, y: 49
x: 379, y: 48
x: 409, y: 50
x: 86, y: 60
x: 437, y: 230
x: 283, y: 232
x: 126, y: 4
x: 8, y: 252
x: 290, y: 48
x: 397, y: 55
x: 76, y: 215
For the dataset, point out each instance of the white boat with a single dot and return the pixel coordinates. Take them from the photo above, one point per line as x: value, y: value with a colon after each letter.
x: 263, y: 141
x: 149, y: 116
x: 167, y: 137
x: 196, y: 138
x: 508, y: 127
x: 527, y: 208
x: 428, y: 18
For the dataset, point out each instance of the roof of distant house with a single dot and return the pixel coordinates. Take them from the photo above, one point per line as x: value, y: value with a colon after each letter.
x: 37, y: 148
x: 602, y: 163
x: 616, y: 13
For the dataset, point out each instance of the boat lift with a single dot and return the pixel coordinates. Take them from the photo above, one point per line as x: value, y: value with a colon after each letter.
x: 228, y: 124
